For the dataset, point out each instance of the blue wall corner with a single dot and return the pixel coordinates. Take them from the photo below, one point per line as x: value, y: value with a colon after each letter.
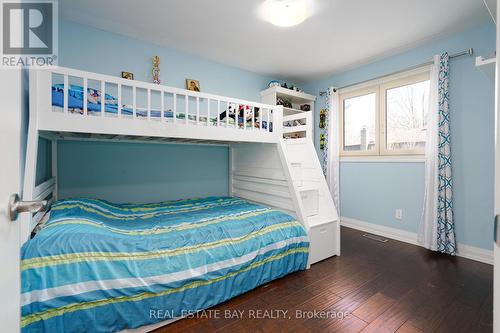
x: 372, y: 191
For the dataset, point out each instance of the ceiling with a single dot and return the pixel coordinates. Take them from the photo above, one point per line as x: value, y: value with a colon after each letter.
x: 340, y: 35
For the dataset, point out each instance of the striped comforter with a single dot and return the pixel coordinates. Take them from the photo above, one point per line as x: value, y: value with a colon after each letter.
x: 103, y: 267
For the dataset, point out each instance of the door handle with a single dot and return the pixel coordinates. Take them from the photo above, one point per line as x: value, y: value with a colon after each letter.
x: 496, y: 231
x: 17, y: 206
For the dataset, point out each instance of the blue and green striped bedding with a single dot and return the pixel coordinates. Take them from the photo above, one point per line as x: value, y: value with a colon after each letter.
x: 103, y: 267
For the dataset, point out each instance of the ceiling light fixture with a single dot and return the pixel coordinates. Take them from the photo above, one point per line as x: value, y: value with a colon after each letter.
x: 285, y: 13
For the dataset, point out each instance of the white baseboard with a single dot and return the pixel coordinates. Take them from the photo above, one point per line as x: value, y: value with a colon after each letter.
x: 465, y: 251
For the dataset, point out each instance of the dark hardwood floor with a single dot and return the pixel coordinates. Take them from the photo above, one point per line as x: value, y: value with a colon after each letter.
x: 380, y: 287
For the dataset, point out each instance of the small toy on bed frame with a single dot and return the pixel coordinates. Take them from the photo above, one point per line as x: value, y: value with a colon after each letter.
x: 242, y: 110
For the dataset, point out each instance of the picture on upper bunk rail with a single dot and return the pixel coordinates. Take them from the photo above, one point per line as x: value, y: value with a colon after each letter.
x: 193, y: 85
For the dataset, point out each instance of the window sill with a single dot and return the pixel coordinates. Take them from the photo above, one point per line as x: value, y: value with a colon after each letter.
x: 383, y: 159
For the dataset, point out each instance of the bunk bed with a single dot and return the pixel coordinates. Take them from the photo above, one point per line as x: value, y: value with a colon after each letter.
x: 89, y: 256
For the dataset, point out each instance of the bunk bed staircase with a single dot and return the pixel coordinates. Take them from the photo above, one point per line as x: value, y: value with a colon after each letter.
x: 288, y: 176
x: 317, y: 204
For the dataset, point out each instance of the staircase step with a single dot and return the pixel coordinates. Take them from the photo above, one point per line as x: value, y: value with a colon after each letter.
x: 308, y: 187
x: 317, y: 220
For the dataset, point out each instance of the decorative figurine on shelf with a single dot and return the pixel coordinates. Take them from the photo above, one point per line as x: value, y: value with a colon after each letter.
x: 305, y: 107
x: 274, y: 83
x: 156, y: 70
x: 282, y: 101
x: 322, y: 141
x: 322, y: 118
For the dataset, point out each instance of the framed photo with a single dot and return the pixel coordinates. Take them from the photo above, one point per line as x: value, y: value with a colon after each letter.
x: 193, y: 85
x: 128, y: 75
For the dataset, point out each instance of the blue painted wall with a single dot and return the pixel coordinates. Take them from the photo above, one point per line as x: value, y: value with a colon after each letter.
x: 94, y: 50
x: 44, y: 161
x: 139, y: 172
x: 372, y: 191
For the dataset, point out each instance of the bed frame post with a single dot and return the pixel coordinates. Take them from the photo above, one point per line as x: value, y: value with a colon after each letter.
x: 38, y: 101
x: 31, y: 153
x: 278, y: 121
x: 55, y: 191
x: 231, y: 163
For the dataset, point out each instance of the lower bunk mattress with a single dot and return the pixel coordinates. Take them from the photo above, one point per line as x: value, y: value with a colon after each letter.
x: 97, y: 266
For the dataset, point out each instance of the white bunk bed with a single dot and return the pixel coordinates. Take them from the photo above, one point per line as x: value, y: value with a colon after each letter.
x: 263, y: 165
x: 144, y: 123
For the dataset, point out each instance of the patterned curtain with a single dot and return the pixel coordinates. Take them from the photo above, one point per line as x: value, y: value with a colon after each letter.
x: 446, y: 225
x: 437, y: 228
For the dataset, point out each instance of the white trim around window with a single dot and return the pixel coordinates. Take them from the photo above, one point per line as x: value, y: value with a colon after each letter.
x: 378, y: 150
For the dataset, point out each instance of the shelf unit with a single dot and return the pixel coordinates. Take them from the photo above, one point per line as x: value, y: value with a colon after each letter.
x: 297, y: 123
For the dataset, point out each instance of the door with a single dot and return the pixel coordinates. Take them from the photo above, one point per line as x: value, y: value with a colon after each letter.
x: 496, y: 245
x: 11, y: 165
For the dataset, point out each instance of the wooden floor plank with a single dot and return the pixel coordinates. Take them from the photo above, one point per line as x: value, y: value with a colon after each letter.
x: 379, y: 287
x: 373, y: 307
x: 408, y: 328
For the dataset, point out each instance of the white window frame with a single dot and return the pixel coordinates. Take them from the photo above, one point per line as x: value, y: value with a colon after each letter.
x: 380, y: 87
x: 353, y: 94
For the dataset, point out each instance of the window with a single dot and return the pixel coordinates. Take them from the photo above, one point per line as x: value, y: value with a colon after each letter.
x: 387, y: 118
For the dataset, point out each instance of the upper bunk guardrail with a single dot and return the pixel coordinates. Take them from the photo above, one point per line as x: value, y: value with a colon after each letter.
x: 93, y: 94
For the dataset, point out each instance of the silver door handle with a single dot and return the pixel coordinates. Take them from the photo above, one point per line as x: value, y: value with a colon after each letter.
x: 17, y: 206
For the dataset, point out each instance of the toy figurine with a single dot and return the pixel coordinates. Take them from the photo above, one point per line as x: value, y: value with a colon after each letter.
x: 274, y: 83
x: 283, y: 101
x: 156, y: 70
x: 322, y: 141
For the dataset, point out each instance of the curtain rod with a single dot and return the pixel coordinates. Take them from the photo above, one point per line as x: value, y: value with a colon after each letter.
x: 468, y: 52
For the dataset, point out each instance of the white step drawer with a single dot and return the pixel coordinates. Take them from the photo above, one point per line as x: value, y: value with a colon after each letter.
x: 322, y: 238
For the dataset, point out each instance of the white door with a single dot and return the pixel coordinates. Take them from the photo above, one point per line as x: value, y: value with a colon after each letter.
x: 11, y: 170
x: 496, y: 246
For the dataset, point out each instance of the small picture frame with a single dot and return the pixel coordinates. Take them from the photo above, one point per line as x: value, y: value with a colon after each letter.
x: 128, y: 75
x: 322, y: 118
x: 322, y: 141
x: 193, y: 85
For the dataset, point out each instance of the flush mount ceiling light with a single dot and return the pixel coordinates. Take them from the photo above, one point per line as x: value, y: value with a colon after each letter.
x: 285, y: 13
